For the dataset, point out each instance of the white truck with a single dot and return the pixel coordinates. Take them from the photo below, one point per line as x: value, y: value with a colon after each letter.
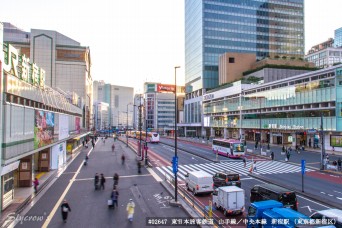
x: 229, y: 199
x: 199, y: 182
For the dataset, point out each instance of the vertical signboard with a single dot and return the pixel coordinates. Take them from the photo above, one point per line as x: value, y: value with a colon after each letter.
x: 77, y: 125
x: 63, y: 127
x: 43, y: 128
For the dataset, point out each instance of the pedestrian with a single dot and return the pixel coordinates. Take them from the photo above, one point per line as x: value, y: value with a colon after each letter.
x: 139, y: 167
x: 123, y: 159
x: 283, y: 149
x: 114, y: 196
x: 116, y: 179
x: 244, y: 162
x: 254, y: 166
x: 288, y: 154
x: 102, y: 182
x: 309, y: 142
x: 65, y: 208
x: 35, y: 185
x: 93, y: 143
x: 113, y: 147
x: 96, y: 180
x: 272, y: 155
x: 327, y: 157
x: 130, y: 210
x: 339, y: 164
x: 83, y: 142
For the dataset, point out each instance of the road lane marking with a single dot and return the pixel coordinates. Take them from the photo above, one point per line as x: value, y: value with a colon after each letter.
x: 154, y: 175
x: 92, y: 178
x: 59, y: 202
x: 337, y: 191
x: 312, y: 201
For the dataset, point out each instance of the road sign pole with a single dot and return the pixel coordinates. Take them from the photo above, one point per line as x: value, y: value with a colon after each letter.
x: 303, y: 172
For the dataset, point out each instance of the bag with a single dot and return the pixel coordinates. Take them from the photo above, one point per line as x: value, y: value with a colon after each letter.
x: 110, y: 202
x: 286, y: 159
x: 65, y: 209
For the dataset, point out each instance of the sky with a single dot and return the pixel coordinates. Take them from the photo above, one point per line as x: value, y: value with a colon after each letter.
x: 137, y: 41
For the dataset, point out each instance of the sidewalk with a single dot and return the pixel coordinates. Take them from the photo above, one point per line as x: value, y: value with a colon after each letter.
x: 24, y: 195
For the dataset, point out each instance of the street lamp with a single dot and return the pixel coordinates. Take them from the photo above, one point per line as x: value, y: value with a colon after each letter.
x: 176, y: 158
x: 127, y: 124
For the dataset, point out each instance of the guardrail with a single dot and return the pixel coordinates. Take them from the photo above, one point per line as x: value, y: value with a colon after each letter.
x: 190, y: 199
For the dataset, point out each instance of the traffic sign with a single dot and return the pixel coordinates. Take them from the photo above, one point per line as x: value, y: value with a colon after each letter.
x: 175, y: 164
x: 303, y: 166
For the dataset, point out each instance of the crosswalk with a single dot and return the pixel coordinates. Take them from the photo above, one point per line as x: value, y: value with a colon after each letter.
x: 263, y: 167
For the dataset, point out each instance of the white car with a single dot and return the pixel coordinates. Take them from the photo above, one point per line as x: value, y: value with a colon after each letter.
x: 199, y: 182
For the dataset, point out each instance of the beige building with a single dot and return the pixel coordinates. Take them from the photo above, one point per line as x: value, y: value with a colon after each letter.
x: 232, y: 65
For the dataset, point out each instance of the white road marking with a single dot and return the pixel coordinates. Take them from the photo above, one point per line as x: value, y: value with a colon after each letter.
x: 154, y: 175
x: 323, y: 193
x: 337, y: 191
x: 330, y: 195
x: 308, y: 208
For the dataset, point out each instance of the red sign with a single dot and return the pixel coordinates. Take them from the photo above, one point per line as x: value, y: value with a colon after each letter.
x: 165, y: 88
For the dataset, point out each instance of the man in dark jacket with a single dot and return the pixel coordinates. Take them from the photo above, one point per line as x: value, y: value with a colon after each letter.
x: 102, y: 182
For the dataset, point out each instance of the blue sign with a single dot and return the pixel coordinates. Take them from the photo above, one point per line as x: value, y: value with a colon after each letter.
x: 303, y: 166
x: 175, y: 164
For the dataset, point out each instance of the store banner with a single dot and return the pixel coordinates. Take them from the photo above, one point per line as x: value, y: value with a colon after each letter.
x: 63, y: 127
x: 78, y: 125
x: 43, y: 128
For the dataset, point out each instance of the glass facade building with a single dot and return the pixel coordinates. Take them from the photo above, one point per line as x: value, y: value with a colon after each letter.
x: 266, y: 28
x: 285, y: 108
x: 214, y: 27
x: 338, y: 38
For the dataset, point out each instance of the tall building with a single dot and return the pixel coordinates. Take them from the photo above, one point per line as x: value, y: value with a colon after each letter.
x: 265, y: 28
x: 338, y: 37
x: 120, y: 100
x: 67, y: 64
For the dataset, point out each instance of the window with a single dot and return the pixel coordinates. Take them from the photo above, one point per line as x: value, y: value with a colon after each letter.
x: 231, y: 60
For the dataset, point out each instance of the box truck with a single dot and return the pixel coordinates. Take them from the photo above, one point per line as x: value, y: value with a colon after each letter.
x: 229, y: 199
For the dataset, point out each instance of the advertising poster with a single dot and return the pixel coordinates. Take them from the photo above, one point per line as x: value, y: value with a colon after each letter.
x: 43, y: 128
x: 63, y: 127
x: 78, y: 125
x: 336, y: 140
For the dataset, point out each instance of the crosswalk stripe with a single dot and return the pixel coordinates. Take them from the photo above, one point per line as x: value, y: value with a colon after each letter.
x: 262, y: 167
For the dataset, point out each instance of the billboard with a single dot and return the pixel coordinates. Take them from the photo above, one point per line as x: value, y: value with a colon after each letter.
x: 336, y: 140
x: 63, y: 127
x: 165, y: 88
x: 78, y: 125
x: 43, y: 128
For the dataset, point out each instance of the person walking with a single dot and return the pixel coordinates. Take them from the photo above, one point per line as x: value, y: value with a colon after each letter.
x: 65, y: 208
x: 93, y: 143
x: 254, y: 166
x: 244, y: 162
x: 130, y: 210
x: 35, y: 185
x: 114, y: 196
x: 327, y: 157
x: 339, y: 164
x: 116, y: 179
x: 123, y: 159
x: 113, y: 147
x: 102, y: 182
x: 139, y: 167
x: 288, y: 154
x: 96, y: 180
x: 272, y: 155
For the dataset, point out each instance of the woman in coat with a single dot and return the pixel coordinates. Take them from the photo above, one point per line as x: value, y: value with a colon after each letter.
x: 65, y: 208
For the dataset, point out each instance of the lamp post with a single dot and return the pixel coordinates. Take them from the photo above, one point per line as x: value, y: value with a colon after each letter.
x: 127, y: 125
x: 176, y: 158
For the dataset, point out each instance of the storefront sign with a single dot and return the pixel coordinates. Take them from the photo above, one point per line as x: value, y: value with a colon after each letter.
x: 311, y: 131
x: 165, y: 88
x: 208, y: 97
x: 272, y: 126
x: 20, y: 66
x: 289, y: 127
x: 43, y: 128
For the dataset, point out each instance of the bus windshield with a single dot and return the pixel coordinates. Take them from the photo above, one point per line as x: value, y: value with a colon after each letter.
x: 238, y: 147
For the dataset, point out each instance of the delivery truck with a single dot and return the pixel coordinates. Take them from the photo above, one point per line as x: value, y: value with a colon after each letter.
x: 229, y: 199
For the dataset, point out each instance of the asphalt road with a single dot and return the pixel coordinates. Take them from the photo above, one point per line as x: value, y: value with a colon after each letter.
x: 314, y: 181
x: 89, y: 207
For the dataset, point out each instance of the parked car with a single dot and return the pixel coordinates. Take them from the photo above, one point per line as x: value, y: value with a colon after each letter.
x: 199, y: 182
x: 226, y: 178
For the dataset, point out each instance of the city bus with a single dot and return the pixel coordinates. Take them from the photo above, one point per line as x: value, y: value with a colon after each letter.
x: 131, y: 134
x: 152, y: 137
x: 231, y: 148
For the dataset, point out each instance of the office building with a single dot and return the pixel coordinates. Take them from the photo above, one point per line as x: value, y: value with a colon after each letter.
x: 67, y: 64
x: 212, y: 28
x: 338, y: 38
x: 101, y: 115
x: 120, y: 100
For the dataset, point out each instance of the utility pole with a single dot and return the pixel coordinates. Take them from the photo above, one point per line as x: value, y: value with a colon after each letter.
x: 322, y: 138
